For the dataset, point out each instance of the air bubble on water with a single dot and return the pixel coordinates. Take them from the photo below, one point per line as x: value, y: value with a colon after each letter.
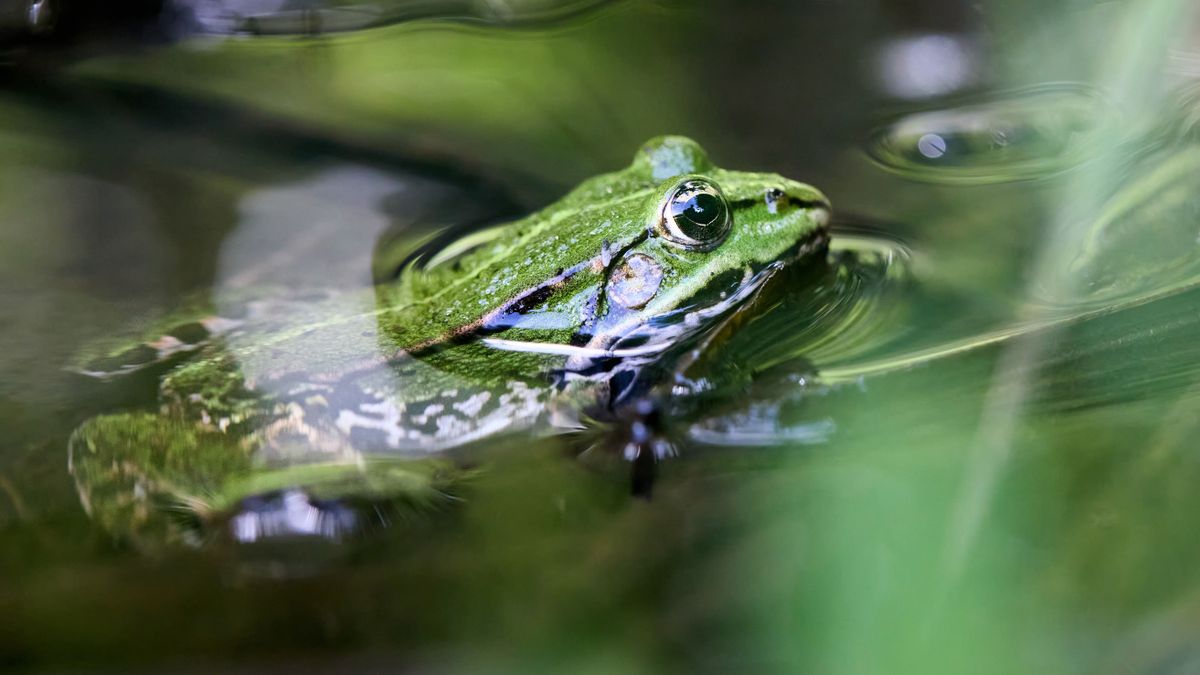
x: 932, y: 146
x: 1004, y: 136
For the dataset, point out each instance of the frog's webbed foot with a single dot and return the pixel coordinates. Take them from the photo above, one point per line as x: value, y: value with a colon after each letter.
x: 771, y: 410
x: 635, y: 434
x: 646, y: 442
x: 645, y: 425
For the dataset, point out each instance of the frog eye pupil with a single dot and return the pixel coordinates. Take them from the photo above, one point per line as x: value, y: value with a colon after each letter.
x: 702, y: 208
x: 696, y: 216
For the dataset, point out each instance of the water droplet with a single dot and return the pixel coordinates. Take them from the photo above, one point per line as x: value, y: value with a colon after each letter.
x: 1007, y: 136
x: 932, y: 146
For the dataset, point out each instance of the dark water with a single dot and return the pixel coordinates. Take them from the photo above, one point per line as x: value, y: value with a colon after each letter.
x: 971, y: 451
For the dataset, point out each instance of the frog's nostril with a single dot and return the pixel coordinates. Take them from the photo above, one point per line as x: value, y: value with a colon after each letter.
x: 775, y: 197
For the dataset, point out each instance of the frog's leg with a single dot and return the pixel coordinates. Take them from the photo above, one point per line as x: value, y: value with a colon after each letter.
x: 159, y: 347
x: 156, y: 344
x: 148, y: 479
x: 156, y: 480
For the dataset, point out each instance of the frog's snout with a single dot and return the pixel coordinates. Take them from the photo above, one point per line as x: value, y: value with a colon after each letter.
x: 822, y: 213
x: 792, y: 194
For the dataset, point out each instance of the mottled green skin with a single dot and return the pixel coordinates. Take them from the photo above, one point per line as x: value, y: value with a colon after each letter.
x: 407, y: 369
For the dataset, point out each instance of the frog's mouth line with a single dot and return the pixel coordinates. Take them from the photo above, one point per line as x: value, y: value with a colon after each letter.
x: 816, y: 244
x: 665, y: 332
x: 668, y: 330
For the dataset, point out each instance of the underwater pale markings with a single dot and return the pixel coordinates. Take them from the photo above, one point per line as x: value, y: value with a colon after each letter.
x: 380, y: 416
x: 431, y: 424
x: 291, y: 513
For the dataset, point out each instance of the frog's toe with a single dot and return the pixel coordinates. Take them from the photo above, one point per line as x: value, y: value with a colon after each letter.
x: 637, y: 434
x: 645, y: 433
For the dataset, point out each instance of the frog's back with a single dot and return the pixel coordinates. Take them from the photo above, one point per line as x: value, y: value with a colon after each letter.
x: 514, y: 269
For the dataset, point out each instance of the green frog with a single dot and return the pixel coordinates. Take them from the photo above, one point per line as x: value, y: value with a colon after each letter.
x: 280, y: 414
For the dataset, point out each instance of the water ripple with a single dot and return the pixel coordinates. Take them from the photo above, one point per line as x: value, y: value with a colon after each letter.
x: 1014, y: 135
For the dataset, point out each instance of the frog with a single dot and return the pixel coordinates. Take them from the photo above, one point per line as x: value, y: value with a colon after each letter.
x: 293, y: 415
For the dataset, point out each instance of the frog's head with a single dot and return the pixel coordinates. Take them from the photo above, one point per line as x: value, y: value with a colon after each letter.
x: 711, y: 238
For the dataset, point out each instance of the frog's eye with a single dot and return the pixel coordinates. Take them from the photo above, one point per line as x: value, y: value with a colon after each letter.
x: 695, y: 216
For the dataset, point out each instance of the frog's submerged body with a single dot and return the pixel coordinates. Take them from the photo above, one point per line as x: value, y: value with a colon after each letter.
x: 585, y: 305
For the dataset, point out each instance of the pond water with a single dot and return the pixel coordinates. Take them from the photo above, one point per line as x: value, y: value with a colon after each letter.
x: 966, y: 444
